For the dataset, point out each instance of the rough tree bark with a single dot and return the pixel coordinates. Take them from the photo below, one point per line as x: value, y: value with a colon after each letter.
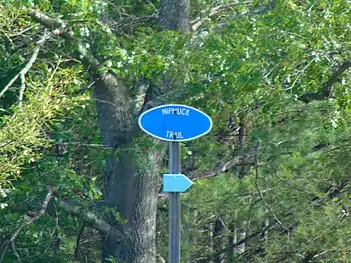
x: 130, y: 177
x: 174, y: 15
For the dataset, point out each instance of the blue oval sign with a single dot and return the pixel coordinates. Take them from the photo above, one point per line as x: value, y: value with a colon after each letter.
x: 174, y: 122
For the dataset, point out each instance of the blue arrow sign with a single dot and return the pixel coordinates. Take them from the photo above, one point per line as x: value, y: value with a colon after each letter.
x: 176, y: 183
x: 174, y: 122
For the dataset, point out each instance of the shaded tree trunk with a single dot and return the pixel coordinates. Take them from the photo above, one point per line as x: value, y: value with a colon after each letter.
x: 130, y: 177
x: 131, y: 188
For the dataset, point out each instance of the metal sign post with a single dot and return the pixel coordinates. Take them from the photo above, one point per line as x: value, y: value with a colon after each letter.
x: 174, y: 207
x: 175, y: 123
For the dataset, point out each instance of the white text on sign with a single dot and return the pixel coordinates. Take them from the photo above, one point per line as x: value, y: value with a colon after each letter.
x: 176, y: 111
x: 174, y: 135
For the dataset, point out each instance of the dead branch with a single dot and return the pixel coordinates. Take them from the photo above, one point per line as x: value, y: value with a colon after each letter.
x: 326, y: 91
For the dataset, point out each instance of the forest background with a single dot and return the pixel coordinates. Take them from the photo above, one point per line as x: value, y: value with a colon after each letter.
x: 79, y: 181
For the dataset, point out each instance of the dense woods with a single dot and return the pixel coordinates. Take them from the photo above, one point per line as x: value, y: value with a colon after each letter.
x: 80, y: 182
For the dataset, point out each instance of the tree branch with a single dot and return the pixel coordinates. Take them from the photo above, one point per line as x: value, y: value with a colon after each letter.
x: 22, y: 89
x: 89, y: 217
x: 27, y: 67
x: 132, y: 21
x: 84, y: 54
x: 27, y: 222
x: 326, y: 91
x: 49, y: 22
x: 224, y: 167
x: 118, y: 118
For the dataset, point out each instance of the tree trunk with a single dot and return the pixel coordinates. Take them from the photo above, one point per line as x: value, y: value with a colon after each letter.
x: 174, y: 15
x: 131, y: 188
x: 132, y: 170
x: 130, y: 177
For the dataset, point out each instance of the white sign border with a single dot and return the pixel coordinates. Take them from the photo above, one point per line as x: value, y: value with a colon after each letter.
x: 175, y: 105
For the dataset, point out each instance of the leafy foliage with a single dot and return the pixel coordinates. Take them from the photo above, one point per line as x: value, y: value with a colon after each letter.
x: 287, y: 202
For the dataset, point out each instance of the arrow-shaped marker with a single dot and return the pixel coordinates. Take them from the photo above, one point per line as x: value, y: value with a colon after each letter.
x: 176, y: 183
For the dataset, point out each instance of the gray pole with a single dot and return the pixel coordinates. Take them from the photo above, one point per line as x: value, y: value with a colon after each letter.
x: 174, y: 207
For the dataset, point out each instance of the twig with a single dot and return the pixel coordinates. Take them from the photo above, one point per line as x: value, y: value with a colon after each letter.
x: 23, y: 31
x: 300, y: 74
x: 153, y: 6
x: 5, y: 246
x: 27, y: 67
x: 86, y: 145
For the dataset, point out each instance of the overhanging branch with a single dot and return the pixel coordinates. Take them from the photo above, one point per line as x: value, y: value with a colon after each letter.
x: 89, y: 217
x: 84, y: 54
